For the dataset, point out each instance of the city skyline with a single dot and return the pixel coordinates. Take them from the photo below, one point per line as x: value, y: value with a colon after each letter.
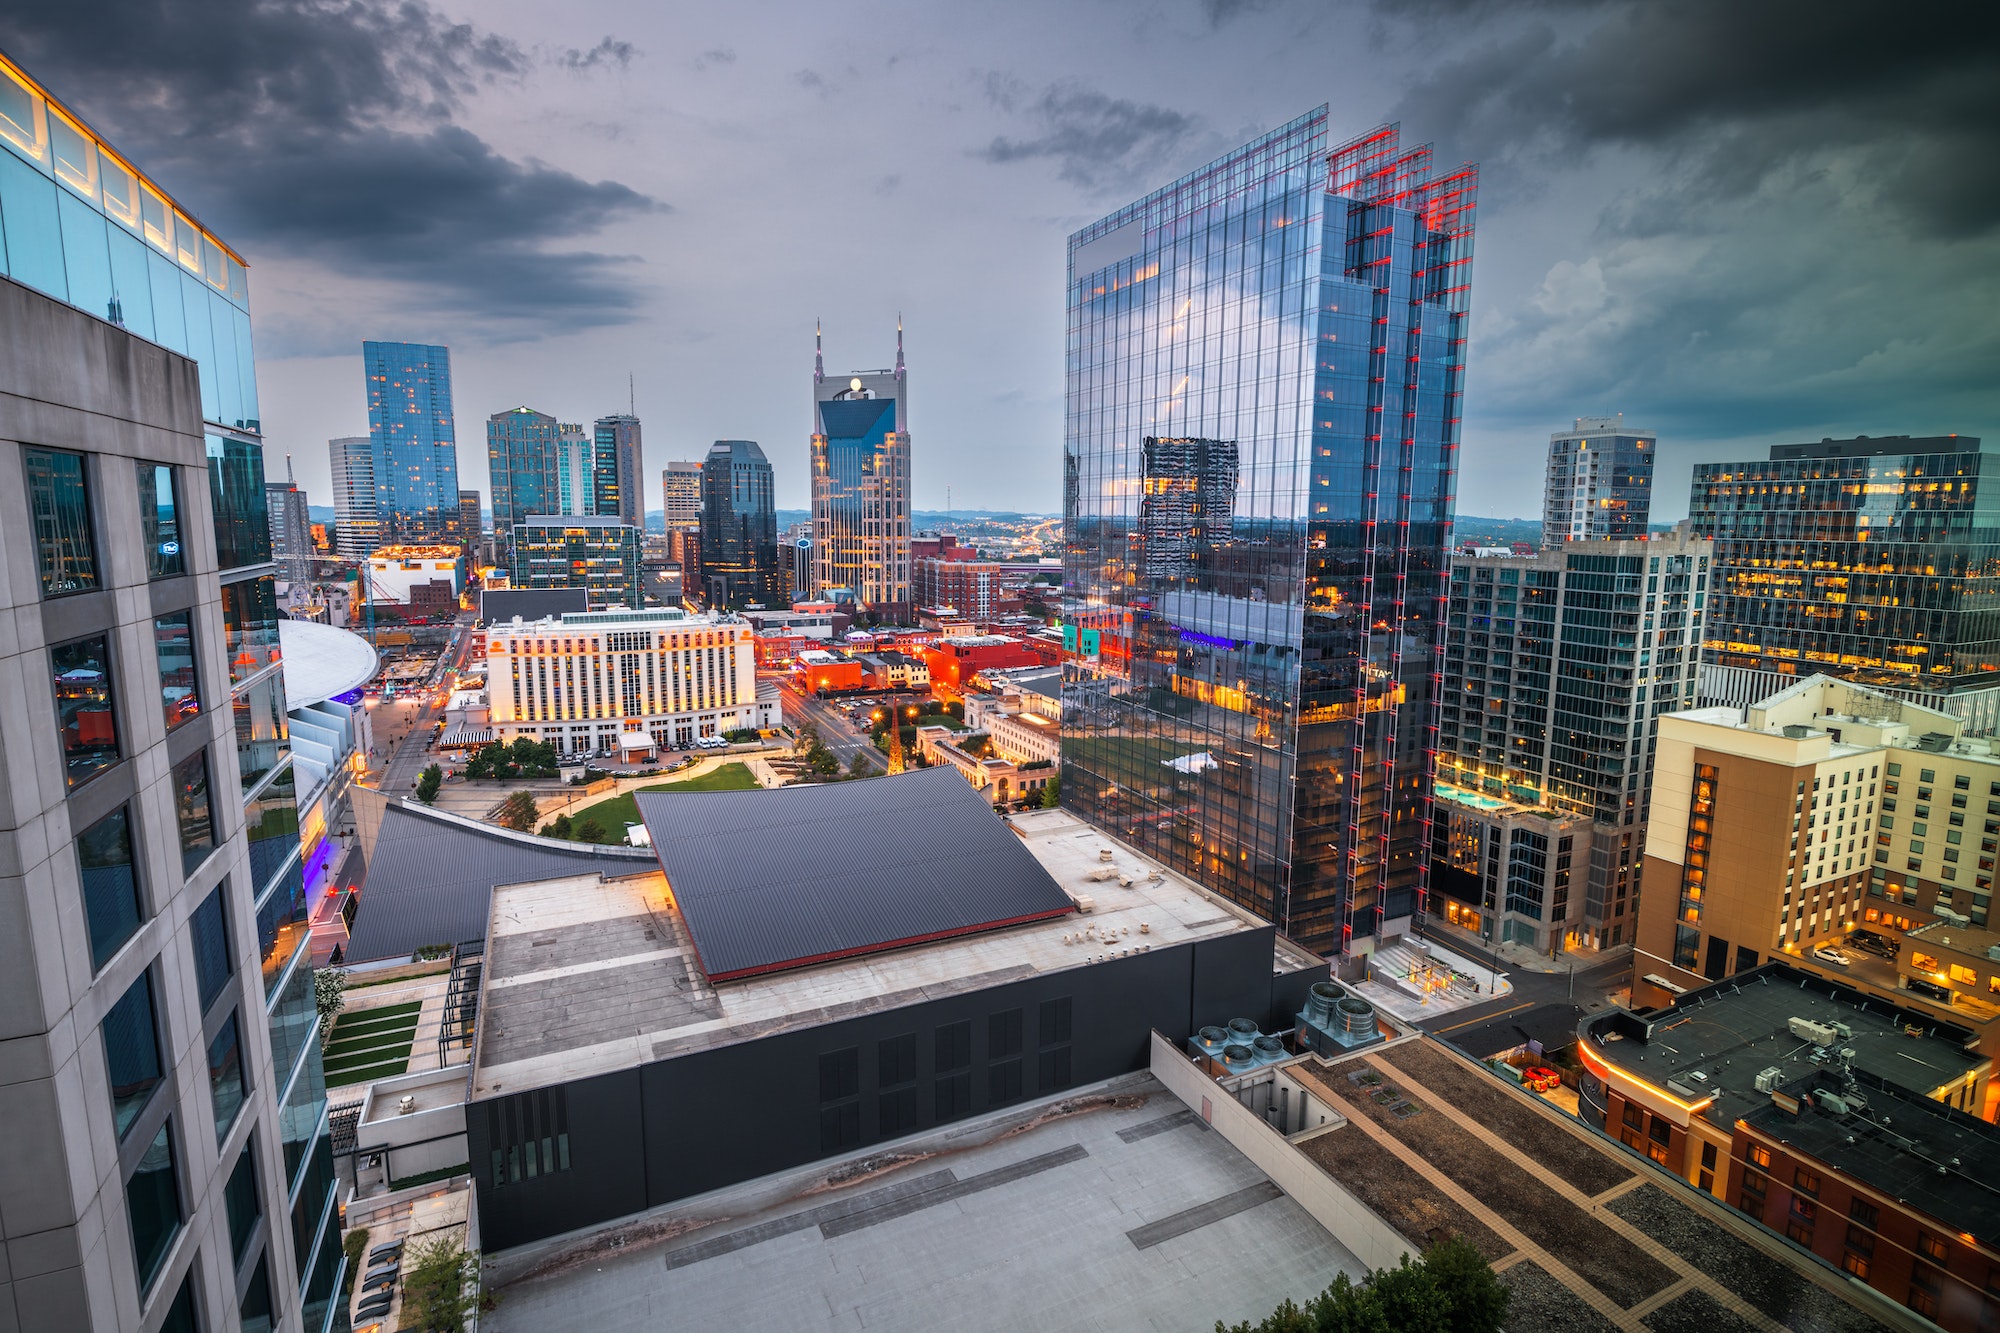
x: 1607, y: 286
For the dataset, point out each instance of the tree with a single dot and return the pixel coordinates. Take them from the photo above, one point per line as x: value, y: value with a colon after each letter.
x: 559, y: 827
x: 329, y: 996
x: 589, y: 830
x: 1450, y: 1290
x: 859, y: 767
x: 428, y: 784
x: 518, y: 811
x: 441, y: 1287
x: 1052, y: 792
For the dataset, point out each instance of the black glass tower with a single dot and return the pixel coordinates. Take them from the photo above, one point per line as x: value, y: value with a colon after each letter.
x: 739, y: 528
x: 1265, y: 363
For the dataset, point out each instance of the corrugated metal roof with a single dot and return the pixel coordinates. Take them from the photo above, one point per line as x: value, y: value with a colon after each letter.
x: 768, y: 880
x: 431, y: 879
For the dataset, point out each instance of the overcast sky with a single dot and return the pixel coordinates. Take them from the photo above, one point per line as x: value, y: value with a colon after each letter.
x: 1736, y: 223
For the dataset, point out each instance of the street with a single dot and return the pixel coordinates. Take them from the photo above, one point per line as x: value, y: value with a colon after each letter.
x: 1533, y: 990
x: 833, y: 726
x: 402, y: 725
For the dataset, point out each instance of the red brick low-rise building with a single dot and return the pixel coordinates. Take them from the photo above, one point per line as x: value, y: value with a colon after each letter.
x: 955, y: 661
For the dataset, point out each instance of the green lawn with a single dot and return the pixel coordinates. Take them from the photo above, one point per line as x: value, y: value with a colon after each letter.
x: 613, y: 815
x: 368, y: 1044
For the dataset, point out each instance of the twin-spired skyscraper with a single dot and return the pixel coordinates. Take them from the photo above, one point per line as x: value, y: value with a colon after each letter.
x: 1265, y: 366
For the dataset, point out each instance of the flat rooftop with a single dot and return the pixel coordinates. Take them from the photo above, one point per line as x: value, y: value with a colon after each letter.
x: 1715, y: 1041
x: 584, y: 974
x: 1938, y: 1160
x: 1136, y: 1217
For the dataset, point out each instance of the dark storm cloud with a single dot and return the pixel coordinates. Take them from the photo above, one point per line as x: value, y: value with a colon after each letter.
x: 324, y: 131
x: 1094, y: 139
x: 1736, y: 92
x: 611, y: 51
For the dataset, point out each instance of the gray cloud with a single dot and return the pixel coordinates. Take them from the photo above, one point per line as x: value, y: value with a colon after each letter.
x: 720, y: 55
x: 326, y: 132
x: 1094, y: 139
x: 610, y: 51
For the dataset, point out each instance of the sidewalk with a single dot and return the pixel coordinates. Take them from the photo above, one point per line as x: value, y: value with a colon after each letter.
x: 1418, y: 986
x: 1514, y: 957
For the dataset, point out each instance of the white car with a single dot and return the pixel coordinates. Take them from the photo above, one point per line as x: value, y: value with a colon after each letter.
x: 1827, y: 954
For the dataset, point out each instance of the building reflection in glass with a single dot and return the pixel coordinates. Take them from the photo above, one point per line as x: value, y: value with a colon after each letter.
x: 1265, y: 362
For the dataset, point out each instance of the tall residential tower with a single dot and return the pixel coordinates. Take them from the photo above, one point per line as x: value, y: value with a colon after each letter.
x: 522, y: 461
x: 861, y: 483
x: 1599, y: 482
x: 415, y: 441
x: 619, y: 492
x: 739, y: 528
x: 1265, y: 362
x: 356, y: 530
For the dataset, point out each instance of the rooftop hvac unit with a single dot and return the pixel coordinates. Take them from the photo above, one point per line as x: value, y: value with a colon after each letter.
x: 1831, y: 1103
x: 1104, y: 853
x: 1768, y: 1079
x: 1805, y: 1029
x: 1084, y: 902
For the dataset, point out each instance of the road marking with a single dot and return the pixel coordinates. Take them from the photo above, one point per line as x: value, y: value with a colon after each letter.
x: 1488, y: 1018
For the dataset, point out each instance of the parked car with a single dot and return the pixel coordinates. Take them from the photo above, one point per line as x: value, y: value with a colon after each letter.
x: 1541, y: 1078
x: 1828, y: 954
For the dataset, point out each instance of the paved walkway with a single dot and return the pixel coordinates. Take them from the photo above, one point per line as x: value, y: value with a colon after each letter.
x: 1420, y: 987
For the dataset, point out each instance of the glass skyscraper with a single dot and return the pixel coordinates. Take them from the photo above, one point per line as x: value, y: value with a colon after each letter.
x: 414, y: 441
x: 1265, y: 362
x: 861, y: 484
x: 522, y: 459
x: 739, y: 528
x: 619, y: 491
x: 1876, y: 560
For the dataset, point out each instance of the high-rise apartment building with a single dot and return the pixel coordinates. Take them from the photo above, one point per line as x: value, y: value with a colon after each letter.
x: 620, y: 458
x: 521, y: 459
x: 1599, y: 482
x: 1875, y: 560
x: 861, y: 483
x: 168, y: 1165
x: 581, y: 681
x: 680, y: 495
x: 1271, y: 352
x: 357, y: 531
x: 1818, y: 811
x: 576, y: 470
x: 600, y: 555
x: 1558, y: 667
x: 739, y: 529
x: 291, y: 527
x: 415, y: 440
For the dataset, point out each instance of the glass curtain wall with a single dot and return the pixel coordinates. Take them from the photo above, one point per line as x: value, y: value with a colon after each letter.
x: 1264, y: 368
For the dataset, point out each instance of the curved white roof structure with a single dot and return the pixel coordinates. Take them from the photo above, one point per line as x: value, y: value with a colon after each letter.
x: 321, y: 661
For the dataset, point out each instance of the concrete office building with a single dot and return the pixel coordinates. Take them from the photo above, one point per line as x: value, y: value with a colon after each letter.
x: 737, y: 559
x: 929, y: 977
x: 1847, y: 1125
x: 1819, y: 811
x: 1874, y: 560
x: 167, y: 1163
x: 357, y: 531
x: 1254, y: 581
x: 1557, y: 669
x: 291, y: 527
x: 680, y: 496
x: 585, y: 681
x: 599, y: 555
x: 861, y: 484
x: 1598, y: 485
x: 414, y: 438
x: 620, y: 458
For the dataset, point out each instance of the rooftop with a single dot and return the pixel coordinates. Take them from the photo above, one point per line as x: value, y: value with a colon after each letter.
x: 416, y: 553
x: 1708, y: 1048
x: 573, y: 521
x: 586, y: 975
x: 1919, y: 1152
x: 1135, y: 1216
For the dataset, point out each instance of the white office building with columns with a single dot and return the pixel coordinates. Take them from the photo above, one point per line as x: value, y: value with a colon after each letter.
x: 660, y: 678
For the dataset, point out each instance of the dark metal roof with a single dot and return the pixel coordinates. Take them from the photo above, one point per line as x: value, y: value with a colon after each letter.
x: 431, y: 879
x: 498, y: 604
x: 769, y: 880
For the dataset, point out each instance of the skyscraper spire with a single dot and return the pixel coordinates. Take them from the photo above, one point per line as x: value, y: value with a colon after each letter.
x: 289, y: 478
x: 899, y: 344
x: 819, y: 364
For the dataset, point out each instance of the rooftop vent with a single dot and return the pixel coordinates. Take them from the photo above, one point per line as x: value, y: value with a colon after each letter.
x: 1797, y: 733
x: 1768, y: 1079
x: 1935, y: 741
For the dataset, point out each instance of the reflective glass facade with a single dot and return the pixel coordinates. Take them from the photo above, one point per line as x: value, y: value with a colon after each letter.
x: 1264, y: 373
x: 413, y: 440
x: 1599, y: 483
x: 620, y: 455
x: 861, y: 485
x: 597, y: 554
x: 739, y: 528
x: 521, y: 458
x: 1874, y: 560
